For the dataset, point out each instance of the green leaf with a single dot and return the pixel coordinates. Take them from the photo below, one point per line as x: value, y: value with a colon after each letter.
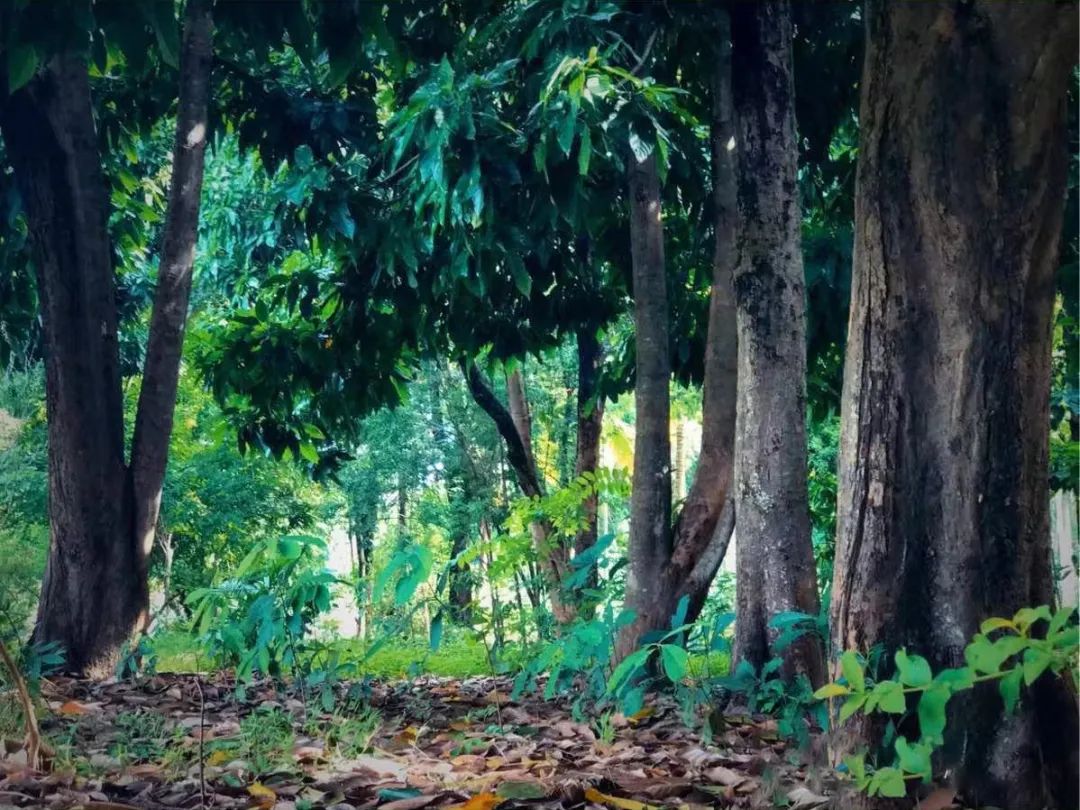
x: 626, y: 668
x: 565, y: 136
x: 932, y: 713
x: 856, y: 766
x: 22, y: 64
x: 1035, y: 663
x: 675, y: 661
x: 436, y: 632
x: 913, y: 670
x: 852, y: 670
x: 852, y: 705
x: 914, y: 758
x: 831, y: 690
x: 1025, y: 617
x: 956, y: 679
x: 521, y: 790
x: 888, y: 782
x: 584, y: 151
x: 995, y: 623
x: 1009, y: 686
x: 890, y: 697
x: 1061, y: 618
x: 159, y: 14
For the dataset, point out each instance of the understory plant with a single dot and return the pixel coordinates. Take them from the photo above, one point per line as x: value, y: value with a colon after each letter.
x: 1010, y: 652
x: 260, y: 619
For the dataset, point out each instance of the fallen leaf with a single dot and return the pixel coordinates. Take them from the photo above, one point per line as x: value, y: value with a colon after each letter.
x: 263, y: 796
x: 482, y: 801
x: 940, y: 799
x: 724, y: 776
x: 803, y: 797
x: 521, y: 789
x: 411, y: 803
x: 73, y: 707
x: 594, y: 795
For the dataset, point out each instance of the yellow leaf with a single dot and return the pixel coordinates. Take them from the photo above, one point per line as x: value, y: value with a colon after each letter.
x: 483, y: 801
x: 218, y: 758
x: 594, y: 795
x: 264, y: 796
x: 641, y: 714
x: 831, y: 690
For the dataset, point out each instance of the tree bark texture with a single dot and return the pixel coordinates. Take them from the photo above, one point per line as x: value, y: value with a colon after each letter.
x: 590, y: 423
x: 943, y: 502
x: 165, y: 343
x: 650, y: 497
x: 775, y: 571
x: 94, y: 592
x: 678, y: 562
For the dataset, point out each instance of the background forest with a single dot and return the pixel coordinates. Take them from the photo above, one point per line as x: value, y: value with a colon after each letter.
x: 720, y: 357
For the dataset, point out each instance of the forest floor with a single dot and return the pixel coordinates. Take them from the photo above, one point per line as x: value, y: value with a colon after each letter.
x: 182, y: 741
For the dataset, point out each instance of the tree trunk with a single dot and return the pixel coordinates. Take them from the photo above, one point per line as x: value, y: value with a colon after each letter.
x: 590, y: 423
x: 775, y: 569
x: 650, y: 498
x: 514, y: 427
x: 165, y: 343
x: 95, y: 592
x: 686, y: 560
x: 461, y: 583
x: 943, y: 502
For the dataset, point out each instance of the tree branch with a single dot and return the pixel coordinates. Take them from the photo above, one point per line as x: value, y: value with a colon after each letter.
x: 516, y: 453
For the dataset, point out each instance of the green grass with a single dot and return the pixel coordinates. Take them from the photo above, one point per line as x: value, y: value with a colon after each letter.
x: 179, y: 651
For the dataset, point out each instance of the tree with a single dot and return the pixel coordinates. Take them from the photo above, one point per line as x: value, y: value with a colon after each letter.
x: 775, y: 568
x: 102, y: 510
x: 669, y: 564
x: 943, y: 504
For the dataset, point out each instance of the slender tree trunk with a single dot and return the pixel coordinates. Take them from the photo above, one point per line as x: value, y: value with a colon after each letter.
x: 650, y: 498
x: 590, y: 422
x: 943, y: 503
x: 461, y: 585
x: 775, y: 570
x: 95, y: 592
x: 691, y: 553
x: 512, y: 425
x: 165, y: 344
x: 678, y: 460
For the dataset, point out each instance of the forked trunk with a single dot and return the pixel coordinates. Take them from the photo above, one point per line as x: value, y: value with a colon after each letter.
x: 943, y: 502
x: 775, y: 571
x: 95, y: 592
x: 681, y: 562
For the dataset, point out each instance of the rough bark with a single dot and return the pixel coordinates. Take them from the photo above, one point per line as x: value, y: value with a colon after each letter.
x: 775, y: 570
x: 94, y: 592
x: 650, y: 499
x: 590, y: 422
x: 165, y: 343
x: 691, y: 553
x: 943, y: 502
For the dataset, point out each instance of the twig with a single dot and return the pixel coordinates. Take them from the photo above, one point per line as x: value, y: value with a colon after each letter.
x: 33, y: 734
x: 202, y: 742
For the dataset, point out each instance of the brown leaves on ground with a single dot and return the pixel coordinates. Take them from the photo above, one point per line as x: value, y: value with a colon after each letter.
x: 440, y: 743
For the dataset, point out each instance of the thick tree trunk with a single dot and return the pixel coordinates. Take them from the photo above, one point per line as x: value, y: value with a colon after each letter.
x: 519, y: 412
x: 650, y: 498
x: 775, y: 570
x: 942, y: 514
x: 95, y: 592
x: 165, y: 343
x: 690, y: 554
x: 90, y: 599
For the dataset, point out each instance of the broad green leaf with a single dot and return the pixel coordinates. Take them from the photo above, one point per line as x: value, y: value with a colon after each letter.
x: 932, y: 713
x: 914, y: 758
x: 914, y: 670
x: 675, y: 661
x: 852, y: 670
x: 1061, y: 618
x: 627, y: 667
x: 22, y: 64
x: 1035, y: 663
x: 888, y: 782
x: 852, y: 705
x: 436, y: 632
x: 1025, y: 617
x: 956, y: 679
x: 890, y: 697
x: 1009, y: 686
